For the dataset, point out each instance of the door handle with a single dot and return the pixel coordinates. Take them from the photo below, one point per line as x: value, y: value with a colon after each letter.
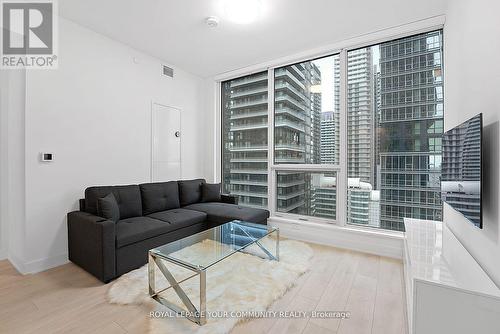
x: 177, y: 134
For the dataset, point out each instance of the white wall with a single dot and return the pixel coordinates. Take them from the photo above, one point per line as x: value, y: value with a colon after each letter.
x: 94, y: 114
x: 472, y: 85
x: 4, y: 79
x: 12, y: 165
x: 212, y: 117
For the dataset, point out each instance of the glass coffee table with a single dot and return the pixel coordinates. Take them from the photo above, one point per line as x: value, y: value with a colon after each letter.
x: 229, y: 238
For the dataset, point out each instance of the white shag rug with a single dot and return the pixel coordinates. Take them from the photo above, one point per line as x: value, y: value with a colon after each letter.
x: 240, y: 283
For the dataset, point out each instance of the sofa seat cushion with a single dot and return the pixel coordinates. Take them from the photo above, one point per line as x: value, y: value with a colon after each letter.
x: 223, y: 212
x: 179, y: 218
x: 131, y: 230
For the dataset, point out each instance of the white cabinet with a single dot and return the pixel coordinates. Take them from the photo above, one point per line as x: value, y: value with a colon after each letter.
x: 446, y: 289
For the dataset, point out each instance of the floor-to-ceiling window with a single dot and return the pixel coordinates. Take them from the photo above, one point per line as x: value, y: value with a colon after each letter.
x: 394, y: 131
x: 377, y: 133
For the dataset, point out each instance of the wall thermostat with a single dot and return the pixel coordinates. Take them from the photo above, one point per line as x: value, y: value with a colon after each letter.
x: 47, y: 157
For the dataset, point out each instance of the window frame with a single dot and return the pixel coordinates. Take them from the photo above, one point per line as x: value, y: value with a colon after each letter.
x: 404, y: 31
x: 274, y: 167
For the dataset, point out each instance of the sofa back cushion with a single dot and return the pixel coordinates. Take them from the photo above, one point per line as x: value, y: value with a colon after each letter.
x: 158, y: 197
x: 107, y: 207
x: 190, y: 191
x: 210, y: 192
x: 127, y: 197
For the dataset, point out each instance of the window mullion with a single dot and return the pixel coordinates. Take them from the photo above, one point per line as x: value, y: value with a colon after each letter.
x: 342, y: 175
x: 271, y: 177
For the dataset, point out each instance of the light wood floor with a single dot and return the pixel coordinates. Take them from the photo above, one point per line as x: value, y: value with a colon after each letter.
x: 67, y: 299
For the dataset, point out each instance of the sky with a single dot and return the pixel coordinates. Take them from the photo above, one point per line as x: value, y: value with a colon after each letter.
x: 326, y: 66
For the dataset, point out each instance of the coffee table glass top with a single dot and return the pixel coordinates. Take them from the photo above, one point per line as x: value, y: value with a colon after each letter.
x: 218, y: 243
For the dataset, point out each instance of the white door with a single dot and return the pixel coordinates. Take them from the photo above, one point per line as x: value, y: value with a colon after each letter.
x: 166, y: 143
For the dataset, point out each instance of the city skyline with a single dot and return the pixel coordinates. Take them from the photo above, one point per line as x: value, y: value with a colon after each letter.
x: 394, y: 129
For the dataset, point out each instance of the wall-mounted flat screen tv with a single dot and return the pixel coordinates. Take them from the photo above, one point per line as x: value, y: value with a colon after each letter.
x: 461, y: 169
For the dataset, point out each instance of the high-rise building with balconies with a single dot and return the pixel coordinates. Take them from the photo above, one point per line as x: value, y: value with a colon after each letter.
x: 329, y: 137
x: 245, y: 139
x: 361, y: 142
x: 325, y: 189
x: 363, y: 203
x: 326, y: 194
x: 360, y: 116
x: 297, y: 136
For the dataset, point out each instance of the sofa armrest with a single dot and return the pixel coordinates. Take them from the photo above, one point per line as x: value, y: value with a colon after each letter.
x: 230, y: 199
x: 91, y: 244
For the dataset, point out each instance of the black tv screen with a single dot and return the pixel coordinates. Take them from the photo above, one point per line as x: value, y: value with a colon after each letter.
x: 461, y: 169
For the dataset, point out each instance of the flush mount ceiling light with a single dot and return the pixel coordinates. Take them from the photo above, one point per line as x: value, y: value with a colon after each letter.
x: 243, y: 11
x: 212, y: 21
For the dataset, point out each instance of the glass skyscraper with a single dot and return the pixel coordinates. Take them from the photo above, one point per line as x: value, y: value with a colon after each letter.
x: 411, y: 128
x: 394, y: 128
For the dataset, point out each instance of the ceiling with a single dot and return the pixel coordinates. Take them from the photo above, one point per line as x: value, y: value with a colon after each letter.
x: 175, y: 31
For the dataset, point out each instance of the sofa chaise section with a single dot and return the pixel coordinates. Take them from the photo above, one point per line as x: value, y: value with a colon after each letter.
x: 220, y: 213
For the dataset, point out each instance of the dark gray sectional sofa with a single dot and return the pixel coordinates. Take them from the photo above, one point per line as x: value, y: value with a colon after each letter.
x: 150, y: 215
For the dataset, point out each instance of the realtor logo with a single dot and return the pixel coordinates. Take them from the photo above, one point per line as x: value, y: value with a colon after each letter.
x: 28, y: 35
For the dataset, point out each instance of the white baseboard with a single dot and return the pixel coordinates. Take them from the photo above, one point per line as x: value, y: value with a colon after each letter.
x: 17, y: 263
x: 380, y: 243
x: 39, y: 265
x: 36, y: 266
